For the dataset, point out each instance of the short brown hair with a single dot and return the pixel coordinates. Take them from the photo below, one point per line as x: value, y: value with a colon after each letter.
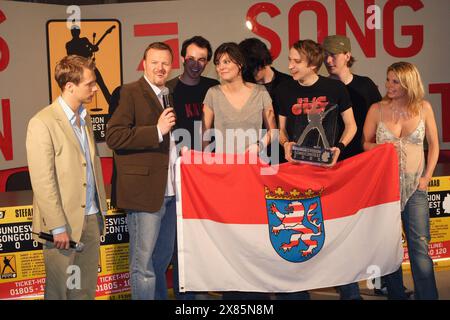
x: 158, y: 46
x: 70, y: 69
x: 312, y: 50
x: 233, y: 51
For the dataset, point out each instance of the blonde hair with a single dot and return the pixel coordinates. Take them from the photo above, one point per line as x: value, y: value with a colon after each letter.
x: 410, y: 80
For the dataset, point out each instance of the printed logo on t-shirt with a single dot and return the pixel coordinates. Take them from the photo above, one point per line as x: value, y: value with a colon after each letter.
x: 307, y: 106
x: 193, y: 110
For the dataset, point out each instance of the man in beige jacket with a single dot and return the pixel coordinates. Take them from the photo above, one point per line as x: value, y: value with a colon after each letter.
x: 66, y: 176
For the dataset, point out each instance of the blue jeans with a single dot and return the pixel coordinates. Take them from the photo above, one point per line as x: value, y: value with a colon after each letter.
x: 416, y: 223
x: 299, y: 295
x: 152, y: 237
x: 349, y: 291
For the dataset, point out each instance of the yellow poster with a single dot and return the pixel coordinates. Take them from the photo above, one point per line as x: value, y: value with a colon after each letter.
x: 439, y: 205
x: 99, y: 40
x: 22, y: 263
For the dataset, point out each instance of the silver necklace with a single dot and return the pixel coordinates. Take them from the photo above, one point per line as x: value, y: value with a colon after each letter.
x: 398, y: 113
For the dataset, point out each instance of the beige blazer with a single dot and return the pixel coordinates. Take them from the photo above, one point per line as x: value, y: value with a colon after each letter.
x: 58, y: 172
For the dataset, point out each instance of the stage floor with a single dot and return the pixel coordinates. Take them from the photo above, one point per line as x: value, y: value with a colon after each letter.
x: 442, y: 278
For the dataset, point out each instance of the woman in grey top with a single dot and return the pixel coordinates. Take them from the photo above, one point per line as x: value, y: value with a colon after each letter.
x: 236, y: 108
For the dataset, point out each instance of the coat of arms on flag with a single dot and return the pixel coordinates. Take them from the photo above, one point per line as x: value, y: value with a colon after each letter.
x: 296, y: 227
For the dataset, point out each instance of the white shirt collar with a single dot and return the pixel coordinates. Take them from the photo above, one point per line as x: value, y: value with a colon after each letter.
x: 156, y: 89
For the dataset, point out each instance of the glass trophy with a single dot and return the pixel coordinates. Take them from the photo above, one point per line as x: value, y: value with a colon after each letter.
x: 313, y: 145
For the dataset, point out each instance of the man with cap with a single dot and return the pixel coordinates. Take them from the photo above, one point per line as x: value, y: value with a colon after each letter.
x: 363, y: 91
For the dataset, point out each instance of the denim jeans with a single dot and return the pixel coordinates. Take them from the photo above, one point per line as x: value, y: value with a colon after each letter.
x: 394, y: 285
x: 349, y: 291
x: 416, y: 223
x: 299, y: 295
x: 152, y: 237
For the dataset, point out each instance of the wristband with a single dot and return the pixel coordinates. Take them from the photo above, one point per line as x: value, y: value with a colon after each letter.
x: 340, y: 146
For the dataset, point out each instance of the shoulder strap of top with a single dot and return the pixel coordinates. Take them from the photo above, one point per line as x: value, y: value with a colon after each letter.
x: 380, y: 111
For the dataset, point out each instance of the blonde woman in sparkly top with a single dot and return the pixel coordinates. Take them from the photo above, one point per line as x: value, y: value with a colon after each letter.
x: 404, y: 119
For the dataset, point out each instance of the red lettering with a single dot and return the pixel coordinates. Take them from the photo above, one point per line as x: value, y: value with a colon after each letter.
x: 4, y: 50
x: 197, y: 108
x: 264, y: 32
x: 297, y: 109
x: 188, y: 108
x: 160, y: 29
x: 156, y: 29
x: 321, y: 102
x: 294, y: 20
x: 303, y: 105
x: 345, y: 17
x: 308, y: 107
x: 6, y: 138
x: 173, y: 44
x: 416, y: 31
x: 444, y: 90
x: 192, y: 109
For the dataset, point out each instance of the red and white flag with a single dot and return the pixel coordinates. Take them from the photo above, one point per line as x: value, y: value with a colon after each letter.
x: 304, y: 227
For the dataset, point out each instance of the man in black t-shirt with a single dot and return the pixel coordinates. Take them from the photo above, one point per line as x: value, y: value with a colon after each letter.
x: 309, y: 90
x: 189, y: 89
x: 363, y: 92
x: 258, y: 69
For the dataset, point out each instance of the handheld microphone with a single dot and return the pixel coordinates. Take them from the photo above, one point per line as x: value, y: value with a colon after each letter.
x: 165, y: 96
x: 49, y: 237
x: 166, y: 102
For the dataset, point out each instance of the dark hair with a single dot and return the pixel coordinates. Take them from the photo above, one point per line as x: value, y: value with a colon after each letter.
x: 158, y: 46
x: 351, y: 62
x: 70, y: 69
x: 232, y: 49
x: 257, y: 56
x: 313, y: 51
x: 199, y: 41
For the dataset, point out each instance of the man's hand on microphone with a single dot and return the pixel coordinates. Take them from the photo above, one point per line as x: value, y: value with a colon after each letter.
x: 166, y: 121
x: 61, y: 240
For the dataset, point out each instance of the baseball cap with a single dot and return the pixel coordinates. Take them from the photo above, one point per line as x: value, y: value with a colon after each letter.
x: 337, y: 44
